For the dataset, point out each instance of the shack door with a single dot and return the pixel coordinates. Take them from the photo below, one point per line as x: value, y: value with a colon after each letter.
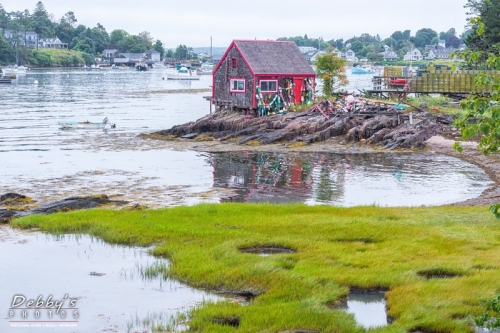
x: 297, y: 89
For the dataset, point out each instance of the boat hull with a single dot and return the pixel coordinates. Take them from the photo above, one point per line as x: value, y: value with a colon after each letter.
x: 69, y: 124
x: 182, y: 77
x: 355, y: 70
x: 80, y: 125
x: 9, y: 71
x: 398, y: 82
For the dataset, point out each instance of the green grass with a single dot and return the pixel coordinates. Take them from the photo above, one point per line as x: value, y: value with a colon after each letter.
x: 441, y: 104
x: 436, y: 262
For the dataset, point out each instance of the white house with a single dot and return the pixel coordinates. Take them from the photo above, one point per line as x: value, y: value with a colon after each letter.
x: 52, y: 43
x: 27, y: 38
x: 152, y: 55
x: 350, y: 55
x: 315, y: 55
x: 414, y: 54
x: 440, y: 54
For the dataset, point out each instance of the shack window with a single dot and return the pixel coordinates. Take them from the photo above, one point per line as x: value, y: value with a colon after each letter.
x: 269, y: 86
x: 237, y: 85
x: 234, y: 63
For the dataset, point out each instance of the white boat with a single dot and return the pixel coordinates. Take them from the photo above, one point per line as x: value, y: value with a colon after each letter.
x: 183, y: 74
x: 205, y: 69
x: 16, y: 70
x: 68, y: 124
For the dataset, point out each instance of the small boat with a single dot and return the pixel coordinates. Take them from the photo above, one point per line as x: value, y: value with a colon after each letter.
x: 362, y: 70
x: 105, y: 124
x: 183, y: 74
x: 398, y: 82
x: 7, y: 78
x: 14, y: 70
x: 205, y: 69
x: 141, y: 66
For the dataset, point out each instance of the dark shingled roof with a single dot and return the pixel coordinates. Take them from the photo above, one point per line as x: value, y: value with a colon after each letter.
x: 274, y: 57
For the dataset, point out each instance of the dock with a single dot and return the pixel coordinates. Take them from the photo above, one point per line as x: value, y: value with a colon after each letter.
x: 444, y: 82
x: 7, y: 79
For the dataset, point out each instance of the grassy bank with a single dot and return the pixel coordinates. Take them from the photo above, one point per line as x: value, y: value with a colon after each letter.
x: 436, y: 263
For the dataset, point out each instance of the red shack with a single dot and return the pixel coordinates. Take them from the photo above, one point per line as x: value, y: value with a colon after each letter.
x: 262, y: 75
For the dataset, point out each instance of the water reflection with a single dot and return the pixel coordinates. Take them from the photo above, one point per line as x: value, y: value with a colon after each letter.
x: 347, y: 180
x: 368, y: 308
x: 116, y: 288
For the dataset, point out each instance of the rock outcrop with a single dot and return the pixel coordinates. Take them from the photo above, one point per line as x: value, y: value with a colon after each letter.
x: 389, y: 129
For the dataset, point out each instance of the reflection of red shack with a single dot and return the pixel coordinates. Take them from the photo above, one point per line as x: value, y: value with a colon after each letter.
x: 291, y: 182
x: 264, y: 178
x: 236, y: 181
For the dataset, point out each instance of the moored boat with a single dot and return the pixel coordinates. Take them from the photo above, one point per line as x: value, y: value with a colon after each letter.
x: 362, y: 70
x: 69, y: 124
x: 398, y: 81
x: 205, y: 69
x: 14, y: 70
x: 141, y: 66
x: 183, y: 74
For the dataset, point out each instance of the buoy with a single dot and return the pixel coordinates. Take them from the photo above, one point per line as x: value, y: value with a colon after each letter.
x: 36, y: 82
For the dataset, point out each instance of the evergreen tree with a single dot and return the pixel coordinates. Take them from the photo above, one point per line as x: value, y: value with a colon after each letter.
x: 489, y: 12
x: 41, y: 22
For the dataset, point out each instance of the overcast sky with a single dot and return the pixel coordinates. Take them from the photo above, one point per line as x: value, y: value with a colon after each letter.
x: 192, y: 23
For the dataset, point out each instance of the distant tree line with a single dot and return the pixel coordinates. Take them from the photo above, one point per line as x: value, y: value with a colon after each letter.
x: 90, y: 41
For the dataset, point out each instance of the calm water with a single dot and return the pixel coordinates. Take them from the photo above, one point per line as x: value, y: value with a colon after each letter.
x: 40, y: 160
x: 109, y: 283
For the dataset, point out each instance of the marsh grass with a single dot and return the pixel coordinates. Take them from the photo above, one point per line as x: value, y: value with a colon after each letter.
x: 337, y: 250
x: 154, y: 271
x: 438, y: 103
x: 157, y: 323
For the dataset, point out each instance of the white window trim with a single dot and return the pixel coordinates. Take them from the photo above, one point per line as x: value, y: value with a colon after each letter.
x: 237, y: 91
x: 262, y: 90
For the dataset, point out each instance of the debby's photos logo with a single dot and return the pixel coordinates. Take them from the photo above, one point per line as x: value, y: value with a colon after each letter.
x: 43, y: 312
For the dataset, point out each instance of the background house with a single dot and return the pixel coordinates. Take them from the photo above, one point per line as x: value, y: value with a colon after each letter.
x: 52, y: 43
x: 128, y: 58
x: 152, y: 55
x: 252, y: 74
x: 413, y: 54
x: 440, y: 53
x: 350, y: 55
x: 27, y: 38
x: 389, y: 55
x: 109, y: 54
